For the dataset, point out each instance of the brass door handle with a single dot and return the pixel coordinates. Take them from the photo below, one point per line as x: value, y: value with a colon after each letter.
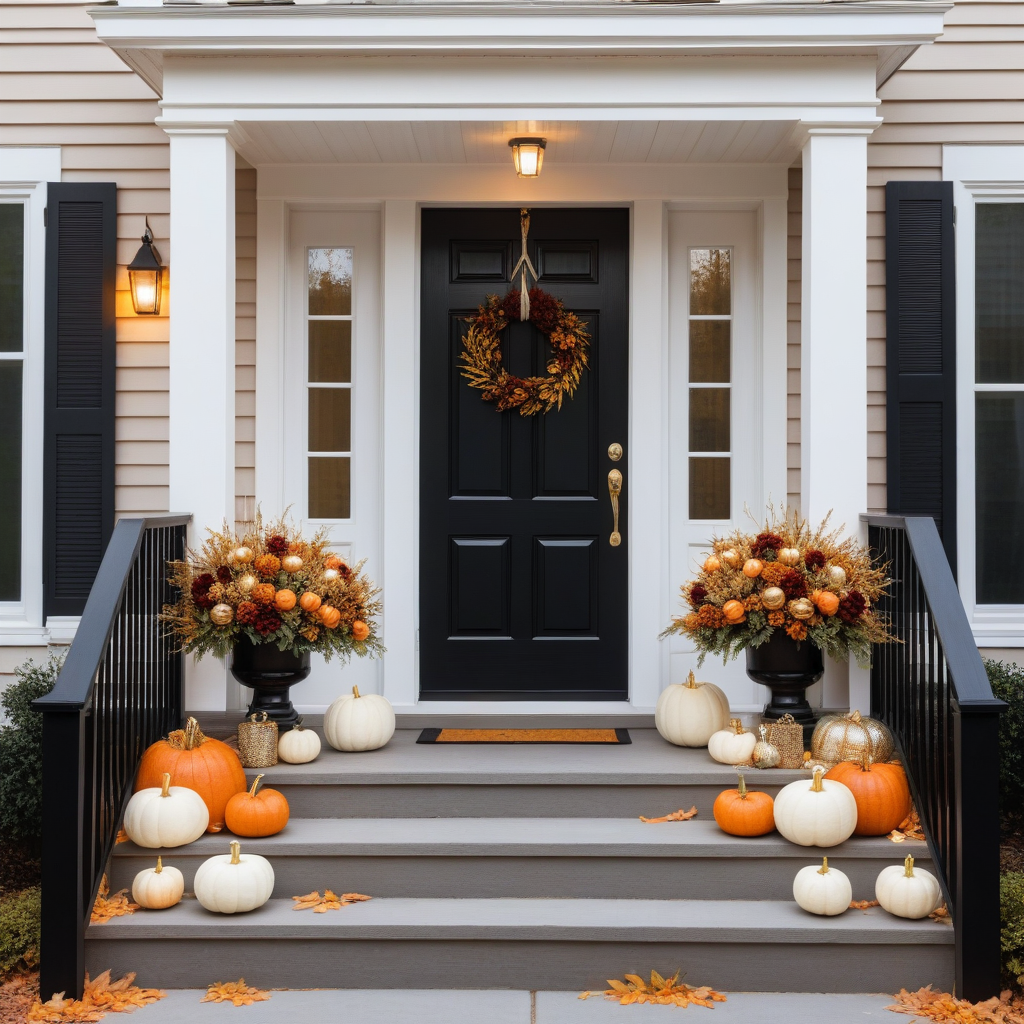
x: 614, y: 490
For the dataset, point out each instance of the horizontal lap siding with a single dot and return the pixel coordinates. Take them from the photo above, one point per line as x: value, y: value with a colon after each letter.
x: 61, y: 87
x: 967, y: 88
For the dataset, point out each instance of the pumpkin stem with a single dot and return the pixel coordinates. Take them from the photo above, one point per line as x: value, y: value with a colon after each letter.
x: 236, y: 848
x: 192, y: 735
x: 742, y: 788
x: 159, y: 865
x: 763, y: 733
x: 824, y: 869
x: 816, y: 786
x: 165, y: 785
x: 908, y: 866
x: 736, y: 725
x: 855, y: 717
x: 355, y: 691
x: 691, y: 682
x: 298, y: 724
x: 255, y: 785
x: 865, y: 762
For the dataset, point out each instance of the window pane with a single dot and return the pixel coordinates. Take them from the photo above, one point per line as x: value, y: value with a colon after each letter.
x: 12, y: 273
x: 710, y: 282
x: 709, y: 489
x: 330, y: 351
x: 10, y: 480
x: 709, y: 351
x: 709, y: 419
x: 999, y: 292
x: 1000, y: 498
x: 330, y: 488
x: 330, y: 282
x: 329, y: 419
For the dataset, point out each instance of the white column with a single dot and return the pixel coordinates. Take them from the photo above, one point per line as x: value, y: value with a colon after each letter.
x: 400, y: 579
x: 202, y: 354
x: 833, y: 372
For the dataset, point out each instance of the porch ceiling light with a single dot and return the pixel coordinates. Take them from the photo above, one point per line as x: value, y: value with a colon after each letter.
x: 145, y: 277
x: 528, y: 156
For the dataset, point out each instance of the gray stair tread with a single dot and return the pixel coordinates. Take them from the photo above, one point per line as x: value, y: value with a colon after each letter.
x: 537, y: 837
x: 576, y: 920
x: 648, y: 760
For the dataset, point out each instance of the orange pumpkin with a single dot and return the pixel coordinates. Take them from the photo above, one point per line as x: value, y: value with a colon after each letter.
x: 360, y: 630
x: 284, y: 600
x: 257, y: 814
x: 195, y: 761
x: 741, y: 812
x: 333, y: 562
x: 712, y: 564
x: 734, y: 612
x: 826, y: 602
x: 881, y: 792
x: 752, y: 567
x: 329, y: 616
x: 309, y: 602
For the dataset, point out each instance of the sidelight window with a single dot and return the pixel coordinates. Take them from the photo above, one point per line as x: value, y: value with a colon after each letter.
x: 12, y: 365
x: 710, y: 384
x: 329, y: 383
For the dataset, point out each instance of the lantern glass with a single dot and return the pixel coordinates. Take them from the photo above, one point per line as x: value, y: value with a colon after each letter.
x: 528, y: 156
x: 146, y: 289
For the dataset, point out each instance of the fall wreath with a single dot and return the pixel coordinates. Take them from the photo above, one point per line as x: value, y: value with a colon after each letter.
x: 482, y: 352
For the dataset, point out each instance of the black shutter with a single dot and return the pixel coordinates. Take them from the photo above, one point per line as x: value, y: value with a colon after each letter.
x: 920, y: 286
x: 78, y: 488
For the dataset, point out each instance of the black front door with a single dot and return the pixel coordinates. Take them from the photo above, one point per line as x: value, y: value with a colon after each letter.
x: 522, y: 597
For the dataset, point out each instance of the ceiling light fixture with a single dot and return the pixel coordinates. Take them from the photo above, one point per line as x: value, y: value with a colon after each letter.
x: 528, y: 156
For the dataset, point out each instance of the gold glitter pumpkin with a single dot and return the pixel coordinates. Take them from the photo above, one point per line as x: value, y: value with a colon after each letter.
x: 801, y: 608
x: 221, y: 614
x: 850, y: 737
x: 291, y: 563
x: 243, y: 554
x: 789, y: 556
x: 837, y: 575
x: 246, y: 583
x: 773, y: 598
x: 731, y: 558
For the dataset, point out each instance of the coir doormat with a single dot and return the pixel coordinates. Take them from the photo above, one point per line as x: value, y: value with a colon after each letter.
x: 524, y: 736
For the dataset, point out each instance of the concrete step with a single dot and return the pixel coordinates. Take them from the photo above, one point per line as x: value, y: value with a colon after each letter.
x: 555, y: 944
x: 408, y: 780
x: 535, y: 857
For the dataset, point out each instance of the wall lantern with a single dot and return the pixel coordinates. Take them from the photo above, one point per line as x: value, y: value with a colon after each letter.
x: 528, y: 156
x: 145, y: 276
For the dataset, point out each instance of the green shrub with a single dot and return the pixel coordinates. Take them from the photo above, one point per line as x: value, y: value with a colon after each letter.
x: 1011, y: 915
x: 19, y: 929
x: 1008, y: 683
x: 21, y: 751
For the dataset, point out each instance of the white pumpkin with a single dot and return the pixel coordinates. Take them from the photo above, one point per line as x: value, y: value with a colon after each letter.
x: 169, y: 816
x: 159, y: 887
x: 820, y: 813
x: 826, y: 891
x: 298, y: 745
x: 732, y: 745
x: 689, y: 713
x: 907, y: 893
x: 233, y: 884
x: 357, y: 722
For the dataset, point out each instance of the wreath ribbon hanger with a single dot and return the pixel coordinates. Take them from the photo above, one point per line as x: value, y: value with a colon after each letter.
x: 524, y: 265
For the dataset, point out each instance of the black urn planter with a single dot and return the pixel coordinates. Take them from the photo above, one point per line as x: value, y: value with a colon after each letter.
x: 269, y: 673
x: 787, y: 667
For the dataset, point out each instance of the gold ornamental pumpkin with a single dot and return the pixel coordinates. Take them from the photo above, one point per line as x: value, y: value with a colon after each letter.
x: 850, y: 737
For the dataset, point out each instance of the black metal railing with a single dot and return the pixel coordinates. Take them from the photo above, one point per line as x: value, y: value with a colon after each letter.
x: 119, y: 690
x: 932, y: 691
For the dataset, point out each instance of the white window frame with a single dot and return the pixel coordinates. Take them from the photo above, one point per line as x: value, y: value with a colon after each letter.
x: 991, y: 174
x: 24, y: 172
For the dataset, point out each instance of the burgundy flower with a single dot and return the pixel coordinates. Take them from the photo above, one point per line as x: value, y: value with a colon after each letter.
x: 793, y: 584
x: 697, y: 594
x: 851, y: 607
x: 267, y: 621
x: 223, y: 574
x: 765, y: 542
x: 247, y: 612
x: 201, y: 590
x: 344, y: 571
x: 277, y: 545
x: 814, y: 560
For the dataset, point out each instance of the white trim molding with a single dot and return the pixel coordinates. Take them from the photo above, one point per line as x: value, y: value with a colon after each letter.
x: 987, y: 174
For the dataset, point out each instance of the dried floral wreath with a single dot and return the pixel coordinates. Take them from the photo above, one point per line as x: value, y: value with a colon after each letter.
x: 482, y: 352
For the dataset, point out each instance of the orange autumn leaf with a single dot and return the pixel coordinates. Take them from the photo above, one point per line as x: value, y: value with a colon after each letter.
x: 941, y: 914
x: 944, y: 1008
x: 329, y: 901
x: 122, y: 837
x: 909, y: 828
x: 107, y: 906
x: 679, y: 815
x: 100, y: 996
x: 862, y: 904
x: 659, y: 991
x: 236, y: 992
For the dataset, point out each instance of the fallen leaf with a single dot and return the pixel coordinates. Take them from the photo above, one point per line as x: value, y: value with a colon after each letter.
x: 107, y: 906
x: 329, y: 901
x: 941, y: 914
x: 679, y: 815
x: 944, y: 1008
x: 122, y: 837
x: 863, y: 904
x: 236, y: 992
x: 100, y: 996
x: 909, y: 828
x: 662, y: 992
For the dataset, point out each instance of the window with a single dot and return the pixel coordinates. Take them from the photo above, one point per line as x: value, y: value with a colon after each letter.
x: 12, y: 373
x: 710, y: 387
x: 329, y: 383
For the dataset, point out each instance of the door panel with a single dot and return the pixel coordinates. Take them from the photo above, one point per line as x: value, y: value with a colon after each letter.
x: 522, y: 596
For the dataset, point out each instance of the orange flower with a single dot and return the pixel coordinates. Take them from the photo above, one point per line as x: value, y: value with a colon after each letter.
x: 772, y: 573
x: 797, y: 630
x: 710, y: 617
x: 752, y: 603
x: 263, y: 593
x: 268, y: 565
x: 776, y: 618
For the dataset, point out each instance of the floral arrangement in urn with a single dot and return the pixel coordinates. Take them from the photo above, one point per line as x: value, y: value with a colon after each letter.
x: 270, y: 586
x: 812, y: 584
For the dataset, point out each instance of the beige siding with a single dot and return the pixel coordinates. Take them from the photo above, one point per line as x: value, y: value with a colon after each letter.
x: 62, y: 87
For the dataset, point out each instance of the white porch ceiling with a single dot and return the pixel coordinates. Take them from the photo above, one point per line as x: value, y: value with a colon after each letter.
x: 485, y: 142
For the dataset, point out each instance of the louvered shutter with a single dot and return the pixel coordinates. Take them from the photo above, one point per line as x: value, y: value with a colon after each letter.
x: 78, y: 489
x: 921, y: 353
